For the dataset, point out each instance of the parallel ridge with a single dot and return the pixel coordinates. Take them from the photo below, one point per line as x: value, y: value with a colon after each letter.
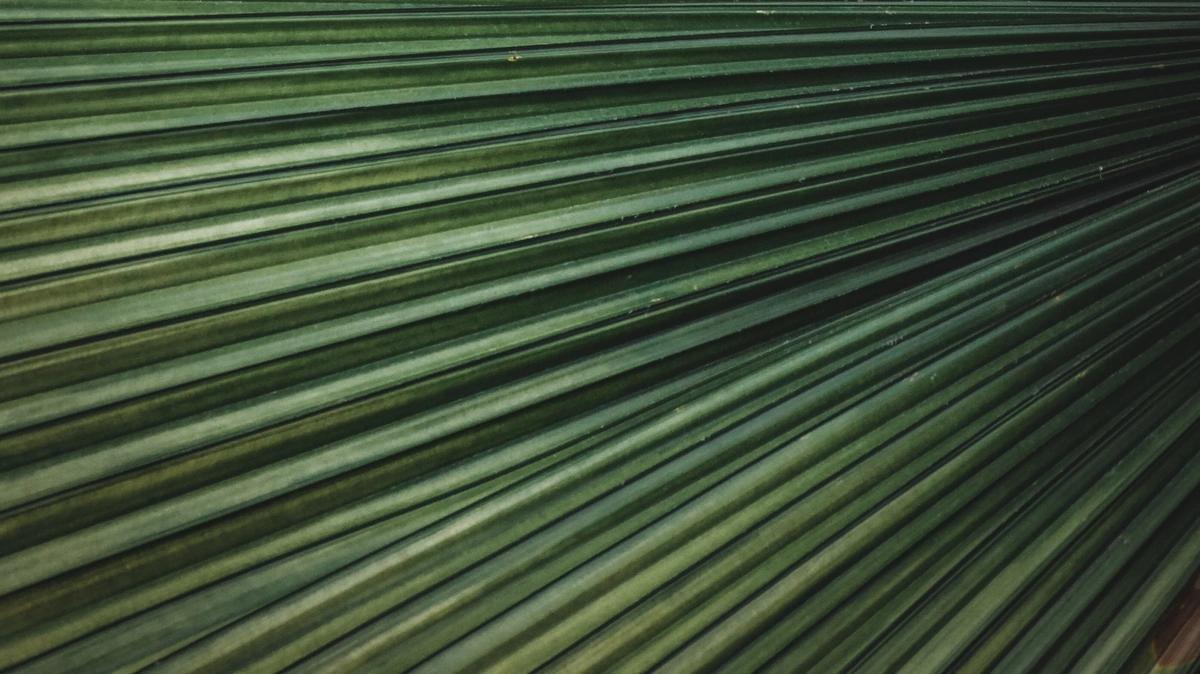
x: 384, y: 336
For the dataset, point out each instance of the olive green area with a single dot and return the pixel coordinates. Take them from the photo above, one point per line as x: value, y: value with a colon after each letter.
x: 564, y: 336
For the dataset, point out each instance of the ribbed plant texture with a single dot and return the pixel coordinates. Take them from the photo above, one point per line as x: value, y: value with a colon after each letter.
x: 376, y: 336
